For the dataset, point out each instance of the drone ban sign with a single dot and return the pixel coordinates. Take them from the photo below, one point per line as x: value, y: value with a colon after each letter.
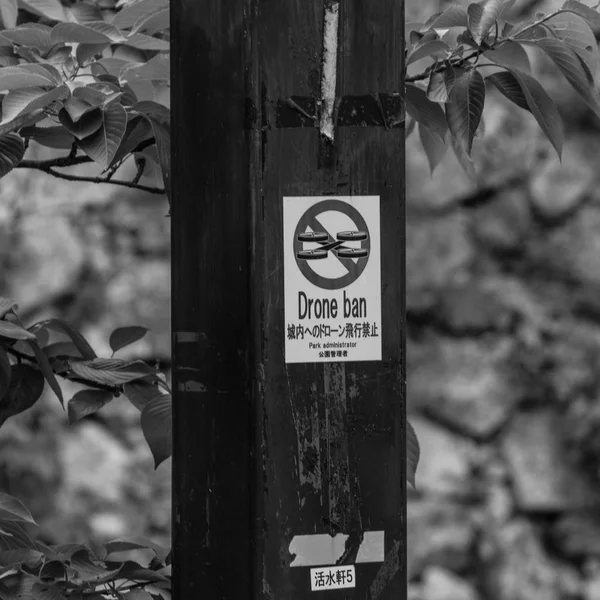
x: 332, y: 279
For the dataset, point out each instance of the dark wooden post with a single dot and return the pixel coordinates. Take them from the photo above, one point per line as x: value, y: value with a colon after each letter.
x: 288, y: 300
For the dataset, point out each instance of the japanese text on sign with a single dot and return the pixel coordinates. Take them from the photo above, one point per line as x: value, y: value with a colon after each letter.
x: 332, y: 578
x: 332, y: 279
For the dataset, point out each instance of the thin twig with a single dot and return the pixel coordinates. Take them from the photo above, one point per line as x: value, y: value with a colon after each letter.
x: 89, y: 179
x: 61, y: 161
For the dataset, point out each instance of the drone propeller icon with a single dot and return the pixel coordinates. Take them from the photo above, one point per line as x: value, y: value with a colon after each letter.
x: 337, y: 245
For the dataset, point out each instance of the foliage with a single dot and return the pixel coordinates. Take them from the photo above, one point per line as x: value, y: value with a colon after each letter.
x: 86, y: 79
x: 29, y: 357
x: 469, y: 49
x: 52, y: 348
x: 30, y: 569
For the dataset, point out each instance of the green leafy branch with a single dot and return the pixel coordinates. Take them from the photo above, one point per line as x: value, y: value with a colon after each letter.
x: 30, y: 569
x: 84, y: 79
x: 445, y: 102
x: 52, y: 348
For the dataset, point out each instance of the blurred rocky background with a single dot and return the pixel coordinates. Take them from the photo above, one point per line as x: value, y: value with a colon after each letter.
x: 503, y: 306
x: 97, y: 256
x: 503, y: 300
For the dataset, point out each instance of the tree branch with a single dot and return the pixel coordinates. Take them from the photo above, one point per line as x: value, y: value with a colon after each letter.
x: 463, y: 59
x: 99, y: 386
x: 48, y: 166
x: 61, y: 161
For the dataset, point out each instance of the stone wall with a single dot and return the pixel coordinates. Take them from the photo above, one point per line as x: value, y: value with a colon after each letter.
x: 503, y: 356
x: 98, y: 257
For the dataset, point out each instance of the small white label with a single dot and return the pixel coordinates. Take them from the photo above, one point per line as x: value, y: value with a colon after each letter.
x: 332, y: 578
x: 332, y: 275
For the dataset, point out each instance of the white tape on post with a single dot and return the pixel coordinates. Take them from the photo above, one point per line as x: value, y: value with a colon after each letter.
x: 324, y: 549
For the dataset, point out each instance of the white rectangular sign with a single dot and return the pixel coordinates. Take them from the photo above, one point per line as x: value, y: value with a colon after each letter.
x: 332, y: 274
x: 332, y: 578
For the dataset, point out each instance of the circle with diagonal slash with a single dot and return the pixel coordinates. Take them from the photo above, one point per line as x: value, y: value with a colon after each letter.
x: 354, y: 260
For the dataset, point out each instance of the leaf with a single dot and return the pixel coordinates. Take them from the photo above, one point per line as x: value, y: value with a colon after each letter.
x: 87, y: 402
x: 7, y: 306
x: 123, y: 546
x: 483, y: 15
x: 591, y: 16
x: 12, y: 150
x: 18, y: 556
x: 12, y: 509
x: 138, y: 131
x: 158, y: 116
x: 463, y: 112
x: 87, y: 52
x: 156, y: 426
x: 432, y: 48
x: 424, y: 111
x: 88, y: 124
x: 53, y: 591
x: 80, y: 342
x: 157, y: 69
x: 413, y: 453
x: 25, y: 389
x: 27, y: 100
x: 46, y: 369
x: 577, y: 35
x: 102, y: 145
x: 28, y: 35
x: 15, y: 536
x: 51, y: 9
x: 53, y: 568
x: 147, y: 42
x: 454, y: 16
x: 64, y: 349
x: 50, y: 137
x: 112, y: 372
x: 154, y: 111
x: 101, y: 90
x: 124, y: 336
x: 111, y: 65
x: 89, y: 569
x: 76, y: 107
x: 8, y: 13
x: 527, y: 93
x: 11, y: 330
x: 97, y: 32
x: 153, y: 23
x: 85, y: 12
x: 141, y: 392
x: 135, y: 572
x: 440, y: 85
x: 139, y: 594
x: 434, y: 146
x: 129, y: 15
x: 510, y: 54
x: 26, y: 75
x: 5, y: 374
x: 464, y: 160
x: 572, y: 67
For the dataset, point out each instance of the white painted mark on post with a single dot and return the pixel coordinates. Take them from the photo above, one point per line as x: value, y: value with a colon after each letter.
x: 324, y: 549
x: 329, y: 73
x: 332, y: 578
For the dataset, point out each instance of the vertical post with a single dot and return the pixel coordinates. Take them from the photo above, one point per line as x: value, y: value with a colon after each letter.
x: 288, y: 299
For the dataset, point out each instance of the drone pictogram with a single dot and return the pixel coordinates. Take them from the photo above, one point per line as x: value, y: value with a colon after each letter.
x: 336, y: 246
